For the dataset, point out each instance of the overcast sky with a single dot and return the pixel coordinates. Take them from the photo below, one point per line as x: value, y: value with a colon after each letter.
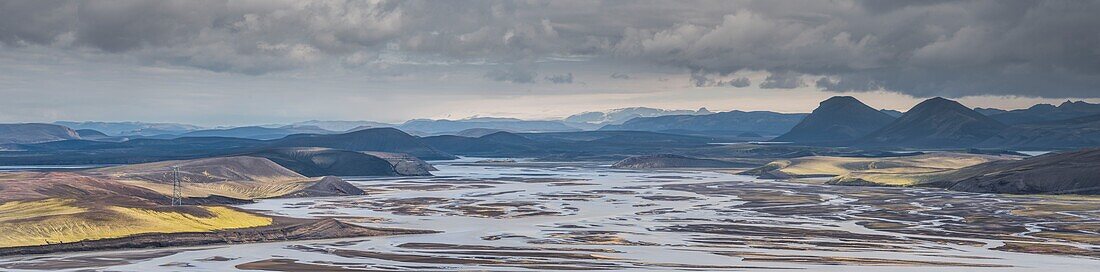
x: 254, y: 62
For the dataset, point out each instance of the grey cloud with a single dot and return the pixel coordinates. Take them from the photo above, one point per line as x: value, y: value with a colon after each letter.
x: 956, y: 48
x: 740, y: 82
x: 925, y: 48
x: 849, y: 83
x: 511, y: 75
x: 127, y: 25
x: 224, y: 36
x: 561, y: 79
x: 700, y: 79
x: 620, y: 76
x: 783, y: 80
x: 35, y: 22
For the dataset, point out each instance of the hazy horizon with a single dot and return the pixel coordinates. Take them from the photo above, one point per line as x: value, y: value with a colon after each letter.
x: 1015, y: 102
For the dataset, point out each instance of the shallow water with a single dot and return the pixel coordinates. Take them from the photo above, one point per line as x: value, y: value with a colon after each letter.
x: 561, y: 216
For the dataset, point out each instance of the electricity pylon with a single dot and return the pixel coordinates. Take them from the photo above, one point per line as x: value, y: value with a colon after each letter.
x: 177, y: 188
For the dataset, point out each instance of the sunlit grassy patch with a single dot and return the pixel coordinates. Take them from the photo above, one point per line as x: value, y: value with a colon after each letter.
x: 18, y: 210
x: 234, y: 189
x: 63, y: 222
x: 894, y: 171
x: 145, y: 220
x: 901, y: 178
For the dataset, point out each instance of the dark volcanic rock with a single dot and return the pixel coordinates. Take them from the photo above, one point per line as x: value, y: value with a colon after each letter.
x: 671, y: 161
x: 316, y: 162
x: 35, y: 133
x: 1076, y: 172
x: 405, y: 164
x: 839, y: 119
x: 372, y: 139
x: 328, y: 186
x: 935, y: 123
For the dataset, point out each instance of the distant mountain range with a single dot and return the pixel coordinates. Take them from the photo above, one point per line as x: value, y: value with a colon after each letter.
x: 148, y: 150
x: 839, y: 119
x: 1043, y: 112
x: 1072, y: 133
x: 427, y: 127
x: 35, y: 133
x: 254, y: 132
x: 731, y: 122
x: 91, y: 134
x: 989, y: 111
x: 131, y: 128
x: 120, y: 131
x: 941, y: 123
x: 619, y: 116
x: 375, y: 139
x: 936, y: 123
x: 341, y: 126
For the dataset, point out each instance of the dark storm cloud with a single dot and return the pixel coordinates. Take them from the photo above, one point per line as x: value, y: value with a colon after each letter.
x: 922, y: 48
